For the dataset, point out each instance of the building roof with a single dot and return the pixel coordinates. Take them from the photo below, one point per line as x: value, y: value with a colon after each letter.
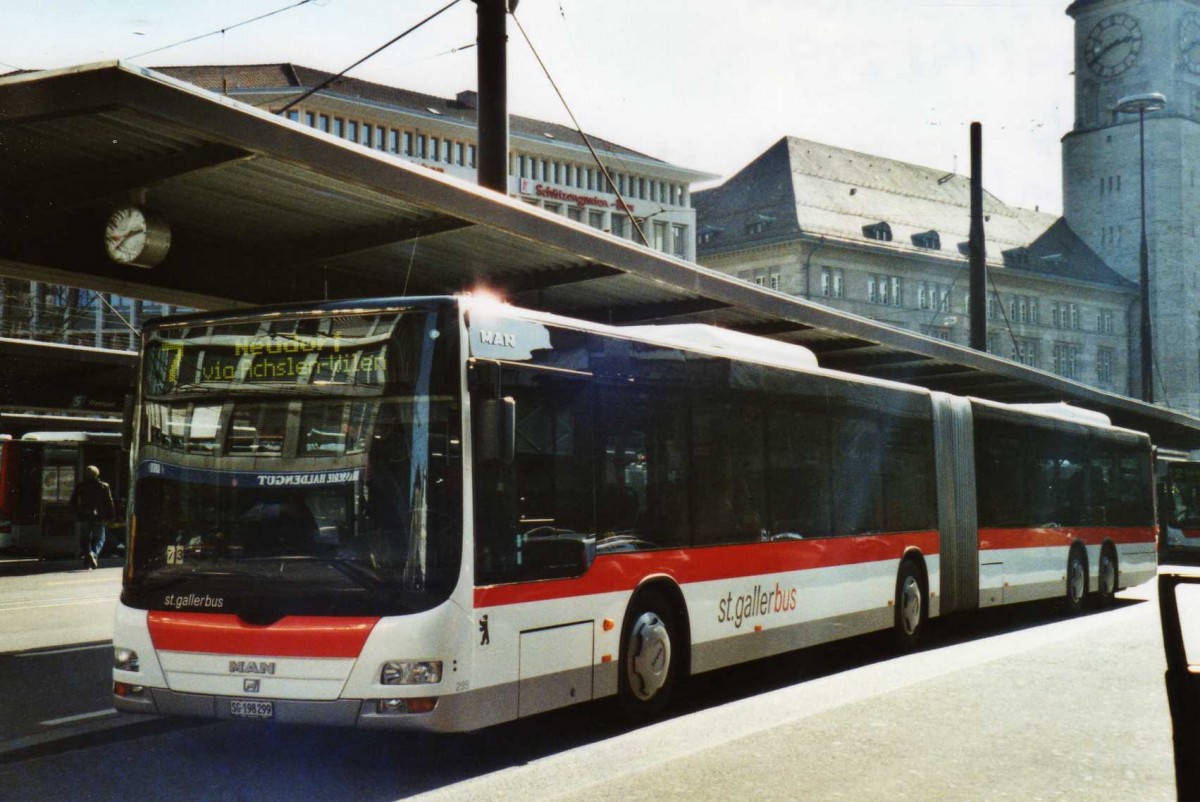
x: 804, y: 188
x: 294, y: 78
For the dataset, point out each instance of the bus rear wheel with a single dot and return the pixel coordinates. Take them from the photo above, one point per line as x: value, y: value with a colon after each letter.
x: 1107, y: 577
x: 1077, y: 579
x: 912, y: 612
x: 649, y: 656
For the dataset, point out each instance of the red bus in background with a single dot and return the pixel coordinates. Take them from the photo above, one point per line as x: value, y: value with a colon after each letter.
x: 38, y: 473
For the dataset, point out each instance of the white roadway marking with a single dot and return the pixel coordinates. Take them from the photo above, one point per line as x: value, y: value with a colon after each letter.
x: 54, y: 722
x: 16, y: 607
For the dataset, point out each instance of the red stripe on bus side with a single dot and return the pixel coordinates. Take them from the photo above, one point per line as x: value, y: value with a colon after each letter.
x: 292, y: 636
x: 617, y: 572
x: 990, y: 539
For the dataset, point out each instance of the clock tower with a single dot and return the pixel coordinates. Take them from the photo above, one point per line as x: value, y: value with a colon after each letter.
x: 1125, y: 48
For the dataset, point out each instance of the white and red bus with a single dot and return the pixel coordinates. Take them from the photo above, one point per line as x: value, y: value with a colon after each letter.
x: 444, y: 513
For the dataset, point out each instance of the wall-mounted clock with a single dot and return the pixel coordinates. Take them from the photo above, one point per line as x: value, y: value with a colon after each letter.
x: 1112, y: 45
x: 134, y: 236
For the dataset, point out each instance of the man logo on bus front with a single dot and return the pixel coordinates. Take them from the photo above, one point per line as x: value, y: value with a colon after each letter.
x: 484, y: 638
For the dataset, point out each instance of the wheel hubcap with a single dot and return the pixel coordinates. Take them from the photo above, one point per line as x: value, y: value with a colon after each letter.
x: 910, y: 605
x: 1076, y: 579
x: 1108, y: 575
x: 649, y: 656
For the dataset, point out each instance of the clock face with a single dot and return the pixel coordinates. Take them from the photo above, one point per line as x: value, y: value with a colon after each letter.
x: 1189, y: 42
x: 1113, y: 45
x: 133, y: 237
x: 125, y: 235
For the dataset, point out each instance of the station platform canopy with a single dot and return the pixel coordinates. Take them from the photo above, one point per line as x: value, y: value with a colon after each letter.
x: 263, y: 210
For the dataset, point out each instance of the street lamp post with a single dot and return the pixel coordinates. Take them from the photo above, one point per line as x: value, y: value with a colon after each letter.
x: 1140, y: 104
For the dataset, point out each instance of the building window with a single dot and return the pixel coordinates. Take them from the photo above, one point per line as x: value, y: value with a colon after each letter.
x: 1023, y: 309
x: 434, y: 148
x: 294, y: 116
x: 928, y: 239
x: 620, y: 225
x: 1025, y: 351
x: 459, y: 150
x: 679, y: 241
x: 662, y: 232
x: 1104, y: 365
x: 833, y: 282
x: 933, y: 296
x: 1104, y: 321
x: 575, y: 213
x: 310, y: 119
x: 408, y: 143
x: 422, y: 145
x: 323, y: 122
x: 596, y: 219
x: 878, y: 231
x: 339, y: 126
x: 938, y: 333
x: 1065, y: 315
x: 885, y: 290
x: 1066, y: 358
x: 471, y: 155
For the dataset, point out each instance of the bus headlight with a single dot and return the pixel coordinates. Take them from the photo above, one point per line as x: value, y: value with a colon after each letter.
x: 411, y: 672
x: 125, y: 659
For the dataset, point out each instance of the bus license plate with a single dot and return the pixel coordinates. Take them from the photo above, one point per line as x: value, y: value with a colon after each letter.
x: 251, y: 709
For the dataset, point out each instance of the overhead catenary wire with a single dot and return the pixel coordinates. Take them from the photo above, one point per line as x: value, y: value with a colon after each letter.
x: 220, y: 30
x: 309, y: 92
x: 621, y: 204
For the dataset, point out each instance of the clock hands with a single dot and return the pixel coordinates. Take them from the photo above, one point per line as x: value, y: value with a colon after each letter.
x: 1098, y: 53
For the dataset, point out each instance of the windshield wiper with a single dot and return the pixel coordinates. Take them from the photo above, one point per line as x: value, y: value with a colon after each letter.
x: 348, y: 568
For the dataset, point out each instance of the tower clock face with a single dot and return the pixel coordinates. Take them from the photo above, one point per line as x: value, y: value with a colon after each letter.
x: 1113, y: 45
x: 1189, y: 42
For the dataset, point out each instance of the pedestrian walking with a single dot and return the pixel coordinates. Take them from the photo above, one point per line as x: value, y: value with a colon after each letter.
x: 93, y: 504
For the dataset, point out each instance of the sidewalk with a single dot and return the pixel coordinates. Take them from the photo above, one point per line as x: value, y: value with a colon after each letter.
x: 11, y: 565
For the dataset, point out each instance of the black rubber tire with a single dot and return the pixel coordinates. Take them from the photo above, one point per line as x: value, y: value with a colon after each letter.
x: 651, y: 653
x: 1077, y: 579
x: 912, y: 606
x: 1108, y: 577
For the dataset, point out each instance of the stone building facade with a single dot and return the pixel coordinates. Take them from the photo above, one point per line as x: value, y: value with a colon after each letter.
x: 887, y: 240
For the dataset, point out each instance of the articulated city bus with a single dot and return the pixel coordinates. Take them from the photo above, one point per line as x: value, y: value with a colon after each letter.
x: 445, y: 513
x: 38, y: 473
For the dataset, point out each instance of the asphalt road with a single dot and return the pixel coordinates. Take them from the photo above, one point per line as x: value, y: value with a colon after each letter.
x: 1017, y: 704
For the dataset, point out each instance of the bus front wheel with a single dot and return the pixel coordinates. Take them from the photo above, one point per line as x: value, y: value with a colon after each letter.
x: 649, y: 655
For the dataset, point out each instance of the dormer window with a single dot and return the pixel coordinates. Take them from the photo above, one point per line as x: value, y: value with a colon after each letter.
x: 927, y: 239
x: 878, y: 231
x: 707, y: 234
x: 1016, y: 257
x: 759, y: 223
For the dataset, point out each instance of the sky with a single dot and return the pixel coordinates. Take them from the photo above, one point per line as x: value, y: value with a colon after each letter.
x: 704, y: 84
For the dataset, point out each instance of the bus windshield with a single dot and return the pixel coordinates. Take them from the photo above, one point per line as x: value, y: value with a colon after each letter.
x: 306, y: 465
